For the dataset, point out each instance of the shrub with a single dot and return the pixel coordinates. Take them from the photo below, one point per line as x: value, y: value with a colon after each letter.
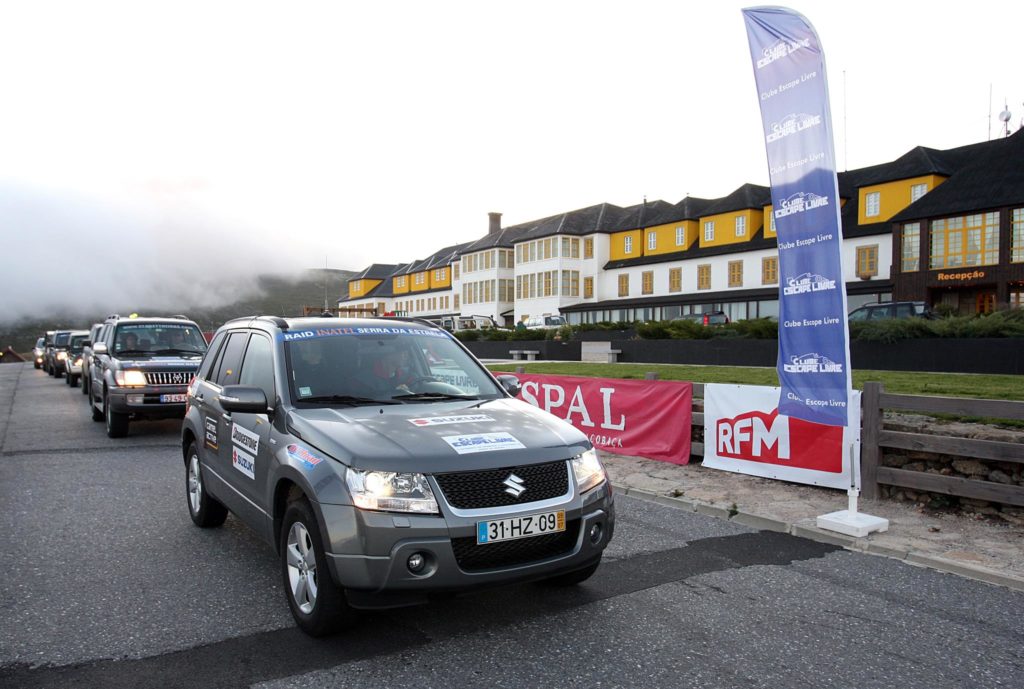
x: 495, y: 334
x: 527, y: 335
x: 468, y: 335
x: 756, y: 328
x: 654, y: 330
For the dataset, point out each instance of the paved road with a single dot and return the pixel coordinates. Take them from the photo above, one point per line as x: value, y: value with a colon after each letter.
x: 104, y: 582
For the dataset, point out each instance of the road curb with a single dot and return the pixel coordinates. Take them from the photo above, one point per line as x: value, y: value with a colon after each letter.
x: 813, y: 533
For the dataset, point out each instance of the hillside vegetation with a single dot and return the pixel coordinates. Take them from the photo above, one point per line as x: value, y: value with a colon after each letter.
x: 278, y: 296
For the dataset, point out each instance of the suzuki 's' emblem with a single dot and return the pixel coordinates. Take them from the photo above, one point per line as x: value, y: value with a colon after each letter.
x: 515, y: 485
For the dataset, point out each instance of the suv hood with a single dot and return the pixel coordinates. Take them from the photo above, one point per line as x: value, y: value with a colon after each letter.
x: 438, y: 437
x: 160, y: 363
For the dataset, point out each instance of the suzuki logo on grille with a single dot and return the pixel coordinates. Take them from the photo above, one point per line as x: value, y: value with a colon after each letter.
x: 515, y: 485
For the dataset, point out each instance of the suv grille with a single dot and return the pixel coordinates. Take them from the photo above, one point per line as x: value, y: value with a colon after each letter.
x: 170, y: 377
x: 472, y: 557
x: 477, y: 489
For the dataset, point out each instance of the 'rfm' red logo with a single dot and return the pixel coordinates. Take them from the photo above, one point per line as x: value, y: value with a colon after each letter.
x: 773, y: 439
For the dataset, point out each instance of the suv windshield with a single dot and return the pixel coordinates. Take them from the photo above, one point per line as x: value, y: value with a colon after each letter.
x: 76, y: 342
x: 156, y: 339
x: 351, y: 366
x: 61, y: 339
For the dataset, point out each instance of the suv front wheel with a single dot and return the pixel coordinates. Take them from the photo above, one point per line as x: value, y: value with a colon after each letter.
x: 317, y: 603
x: 117, y: 424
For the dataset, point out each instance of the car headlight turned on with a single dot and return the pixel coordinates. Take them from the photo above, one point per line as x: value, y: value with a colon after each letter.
x: 78, y: 362
x: 388, y: 491
x: 588, y: 470
x: 130, y: 379
x: 61, y: 356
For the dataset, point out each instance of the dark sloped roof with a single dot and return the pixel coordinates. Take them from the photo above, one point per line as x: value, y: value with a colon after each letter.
x: 377, y: 271
x: 992, y: 176
x: 690, y: 208
x: 603, y: 217
x: 503, y: 239
x: 746, y: 196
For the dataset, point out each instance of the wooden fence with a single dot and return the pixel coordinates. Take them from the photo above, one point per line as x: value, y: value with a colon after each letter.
x: 874, y: 437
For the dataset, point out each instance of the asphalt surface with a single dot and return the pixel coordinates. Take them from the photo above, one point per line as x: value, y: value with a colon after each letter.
x: 105, y: 582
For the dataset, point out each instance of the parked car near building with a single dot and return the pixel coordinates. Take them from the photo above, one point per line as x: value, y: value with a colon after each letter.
x: 708, y: 318
x: 385, y: 463
x: 544, y: 322
x: 890, y: 309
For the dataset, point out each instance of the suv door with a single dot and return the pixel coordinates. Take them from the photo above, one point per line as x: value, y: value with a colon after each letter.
x: 249, y: 450
x: 222, y: 459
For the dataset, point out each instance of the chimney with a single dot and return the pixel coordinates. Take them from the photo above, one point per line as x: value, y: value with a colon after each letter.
x: 493, y: 223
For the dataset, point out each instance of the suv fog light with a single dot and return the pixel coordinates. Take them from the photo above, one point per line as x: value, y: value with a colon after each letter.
x: 135, y: 399
x: 416, y: 563
x: 595, y: 533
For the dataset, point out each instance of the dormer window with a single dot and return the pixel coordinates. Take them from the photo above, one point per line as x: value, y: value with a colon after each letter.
x: 873, y: 204
x: 627, y: 245
x: 741, y: 226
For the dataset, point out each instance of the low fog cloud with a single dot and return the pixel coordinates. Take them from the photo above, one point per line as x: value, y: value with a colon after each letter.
x: 70, y: 254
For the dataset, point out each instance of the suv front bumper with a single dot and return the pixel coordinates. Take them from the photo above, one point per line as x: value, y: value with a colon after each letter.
x: 375, y: 572
x: 149, y: 401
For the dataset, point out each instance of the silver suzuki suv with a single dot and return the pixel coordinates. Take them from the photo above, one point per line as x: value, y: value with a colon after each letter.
x: 385, y: 463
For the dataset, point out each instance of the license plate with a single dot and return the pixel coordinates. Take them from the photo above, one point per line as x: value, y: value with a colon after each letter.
x: 173, y: 398
x: 519, y: 527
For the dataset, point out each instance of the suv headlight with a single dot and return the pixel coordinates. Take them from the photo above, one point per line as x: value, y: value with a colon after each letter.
x: 130, y: 379
x: 61, y: 356
x: 588, y: 470
x: 389, y: 491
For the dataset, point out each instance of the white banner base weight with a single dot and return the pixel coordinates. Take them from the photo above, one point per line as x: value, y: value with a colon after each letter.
x: 854, y: 524
x: 851, y: 522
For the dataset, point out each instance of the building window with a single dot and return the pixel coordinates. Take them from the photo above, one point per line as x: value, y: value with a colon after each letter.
x: 588, y: 248
x: 588, y: 288
x: 455, y: 301
x: 675, y: 280
x: 575, y: 248
x: 647, y: 282
x: 771, y: 222
x: 652, y: 241
x: 704, y: 276
x: 547, y: 283
x: 421, y: 278
x: 455, y: 270
x: 867, y: 261
x: 735, y: 273
x: 400, y: 282
x: 441, y: 274
x: 741, y: 226
x: 627, y: 244
x: 917, y: 191
x: 1016, y: 298
x: 910, y: 252
x: 770, y: 270
x: 709, y: 231
x: 1017, y: 238
x: 872, y: 204
x: 971, y: 240
x: 680, y: 236
x: 624, y: 285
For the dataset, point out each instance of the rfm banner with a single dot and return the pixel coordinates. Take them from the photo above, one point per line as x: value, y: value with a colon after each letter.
x: 745, y: 433
x: 628, y: 417
x: 814, y: 353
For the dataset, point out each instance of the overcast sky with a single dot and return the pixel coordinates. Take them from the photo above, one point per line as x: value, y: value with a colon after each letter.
x: 266, y: 136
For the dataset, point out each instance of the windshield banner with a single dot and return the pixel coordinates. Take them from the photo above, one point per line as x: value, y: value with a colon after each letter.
x: 627, y: 417
x: 814, y: 353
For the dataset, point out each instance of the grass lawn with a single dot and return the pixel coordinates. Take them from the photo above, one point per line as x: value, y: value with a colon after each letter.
x: 984, y: 386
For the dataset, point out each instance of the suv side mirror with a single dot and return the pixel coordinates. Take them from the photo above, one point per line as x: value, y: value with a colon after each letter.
x: 245, y: 399
x: 99, y: 348
x: 510, y: 383
x: 86, y: 343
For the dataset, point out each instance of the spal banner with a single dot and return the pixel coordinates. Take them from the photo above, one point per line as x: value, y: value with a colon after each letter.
x: 814, y: 351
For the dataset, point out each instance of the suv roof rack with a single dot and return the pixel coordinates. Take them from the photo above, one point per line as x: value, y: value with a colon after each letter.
x: 276, y: 320
x: 421, y: 321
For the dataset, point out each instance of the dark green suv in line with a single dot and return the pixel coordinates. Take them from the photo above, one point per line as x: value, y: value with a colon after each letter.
x: 141, y: 369
x: 386, y: 464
